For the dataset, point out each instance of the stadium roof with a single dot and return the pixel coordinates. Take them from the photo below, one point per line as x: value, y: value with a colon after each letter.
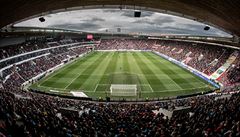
x: 221, y: 13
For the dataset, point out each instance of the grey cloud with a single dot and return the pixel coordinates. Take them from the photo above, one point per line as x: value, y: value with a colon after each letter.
x: 199, y: 28
x: 169, y: 30
x: 174, y: 30
x: 97, y: 19
x: 196, y: 30
x: 94, y: 19
x: 78, y: 26
x: 145, y: 21
x: 150, y: 22
x: 163, y: 19
x: 193, y: 26
x: 157, y: 21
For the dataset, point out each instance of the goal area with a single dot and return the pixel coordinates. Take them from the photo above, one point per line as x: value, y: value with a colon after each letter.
x: 126, y: 90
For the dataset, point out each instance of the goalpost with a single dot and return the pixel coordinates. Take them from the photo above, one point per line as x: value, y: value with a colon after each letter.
x: 123, y: 90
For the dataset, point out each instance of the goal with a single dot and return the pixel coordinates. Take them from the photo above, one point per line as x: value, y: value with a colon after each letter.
x: 123, y: 90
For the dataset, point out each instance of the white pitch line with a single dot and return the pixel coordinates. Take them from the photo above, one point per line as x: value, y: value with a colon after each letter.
x: 79, y: 74
x: 95, y: 88
x: 177, y: 90
x: 62, y: 90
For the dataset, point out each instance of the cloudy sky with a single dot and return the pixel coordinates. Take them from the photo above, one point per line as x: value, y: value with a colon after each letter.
x: 108, y: 20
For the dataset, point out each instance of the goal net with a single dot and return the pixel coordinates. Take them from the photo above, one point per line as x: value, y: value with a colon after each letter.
x: 123, y: 90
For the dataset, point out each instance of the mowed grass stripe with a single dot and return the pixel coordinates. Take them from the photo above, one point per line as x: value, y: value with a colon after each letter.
x: 126, y: 67
x: 94, y: 79
x: 169, y: 71
x: 119, y: 63
x: 118, y: 70
x: 79, y: 80
x: 181, y: 72
x: 103, y: 70
x: 105, y: 81
x: 157, y: 68
x: 58, y: 79
x: 72, y: 74
x: 134, y: 68
x: 87, y: 59
x: 110, y: 70
x: 123, y: 74
x: 155, y: 83
x: 75, y: 73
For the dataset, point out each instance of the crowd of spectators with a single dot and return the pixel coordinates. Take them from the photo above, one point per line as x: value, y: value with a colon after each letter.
x: 31, y: 45
x: 12, y: 50
x: 27, y: 48
x: 29, y: 114
x: 232, y: 75
x: 10, y: 61
x: 36, y: 115
x: 198, y: 56
x: 202, y: 57
x: 205, y: 58
x: 116, y: 44
x: 32, y: 68
x: 26, y: 68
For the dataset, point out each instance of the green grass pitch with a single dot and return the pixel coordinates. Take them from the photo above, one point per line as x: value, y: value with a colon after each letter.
x: 154, y: 76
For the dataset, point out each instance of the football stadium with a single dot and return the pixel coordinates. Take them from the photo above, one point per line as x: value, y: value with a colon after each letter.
x: 103, y: 68
x: 152, y: 75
